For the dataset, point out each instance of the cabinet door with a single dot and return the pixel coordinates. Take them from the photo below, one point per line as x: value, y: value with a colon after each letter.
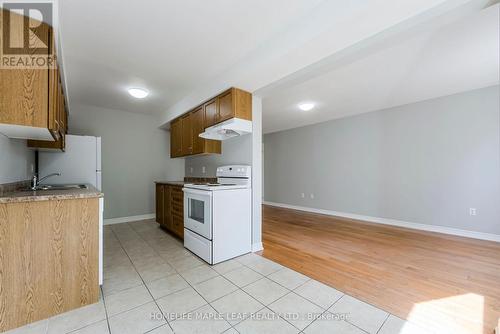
x: 211, y: 113
x: 62, y: 124
x: 167, y: 212
x: 176, y: 138
x: 197, y: 121
x: 159, y: 204
x: 226, y: 110
x: 54, y: 100
x: 24, y: 96
x: 187, y: 135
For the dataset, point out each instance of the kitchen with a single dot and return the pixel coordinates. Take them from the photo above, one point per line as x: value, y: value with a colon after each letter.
x: 69, y: 166
x: 133, y: 153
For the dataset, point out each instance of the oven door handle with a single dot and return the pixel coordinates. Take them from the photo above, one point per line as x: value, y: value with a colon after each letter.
x: 188, y: 191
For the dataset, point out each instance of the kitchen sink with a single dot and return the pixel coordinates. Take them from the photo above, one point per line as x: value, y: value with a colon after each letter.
x: 61, y: 187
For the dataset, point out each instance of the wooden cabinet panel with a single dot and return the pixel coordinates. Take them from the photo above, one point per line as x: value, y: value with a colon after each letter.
x: 170, y: 207
x: 54, y: 101
x: 46, y: 145
x: 235, y: 103
x: 29, y: 97
x: 49, y: 259
x: 242, y: 104
x: 197, y: 125
x: 167, y: 212
x: 185, y: 130
x: 185, y: 139
x: 33, y: 98
x: 225, y: 106
x: 178, y: 226
x: 57, y: 117
x: 187, y: 135
x: 211, y: 113
x: 177, y: 205
x: 176, y: 138
x: 159, y: 203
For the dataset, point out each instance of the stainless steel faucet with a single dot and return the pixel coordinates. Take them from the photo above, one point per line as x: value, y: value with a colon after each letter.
x: 35, y: 182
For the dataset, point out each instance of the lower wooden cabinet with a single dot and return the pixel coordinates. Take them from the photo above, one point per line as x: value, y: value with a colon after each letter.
x: 49, y: 259
x: 170, y: 208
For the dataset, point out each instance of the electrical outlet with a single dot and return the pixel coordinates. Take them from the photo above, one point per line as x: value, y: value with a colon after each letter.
x: 472, y: 211
x: 203, y: 169
x: 191, y: 170
x: 302, y: 195
x: 312, y: 196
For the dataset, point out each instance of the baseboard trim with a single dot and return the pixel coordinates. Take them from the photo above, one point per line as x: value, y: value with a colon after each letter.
x: 394, y: 222
x: 257, y: 247
x: 129, y: 219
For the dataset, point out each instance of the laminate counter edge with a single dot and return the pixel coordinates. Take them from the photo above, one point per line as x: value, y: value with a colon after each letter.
x: 49, y: 195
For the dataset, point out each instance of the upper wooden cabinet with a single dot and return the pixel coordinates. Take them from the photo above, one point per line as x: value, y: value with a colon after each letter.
x: 30, y: 98
x: 197, y: 127
x: 185, y: 139
x: 187, y: 134
x: 211, y: 112
x: 185, y: 131
x: 226, y: 110
x: 234, y: 103
x: 176, y: 138
x: 58, y: 119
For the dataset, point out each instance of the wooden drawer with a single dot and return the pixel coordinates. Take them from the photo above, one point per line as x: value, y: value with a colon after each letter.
x: 177, y: 192
x: 178, y: 225
x: 177, y: 200
x: 176, y: 210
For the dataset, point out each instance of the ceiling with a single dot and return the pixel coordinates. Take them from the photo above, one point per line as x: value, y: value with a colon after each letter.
x: 287, y: 51
x: 168, y: 46
x: 445, y: 56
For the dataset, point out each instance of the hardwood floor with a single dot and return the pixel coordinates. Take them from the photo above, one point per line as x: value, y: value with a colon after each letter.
x: 444, y: 283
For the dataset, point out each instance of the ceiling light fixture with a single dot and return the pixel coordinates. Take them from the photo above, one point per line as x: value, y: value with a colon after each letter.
x: 138, y: 93
x: 306, y: 106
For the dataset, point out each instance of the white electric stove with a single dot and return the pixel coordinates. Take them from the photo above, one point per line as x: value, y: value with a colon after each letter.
x: 218, y: 216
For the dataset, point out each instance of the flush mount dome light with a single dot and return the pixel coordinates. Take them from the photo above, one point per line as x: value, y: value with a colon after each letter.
x: 138, y: 93
x: 306, y: 106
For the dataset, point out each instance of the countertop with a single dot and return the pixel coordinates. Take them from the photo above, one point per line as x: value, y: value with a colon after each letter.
x: 173, y: 183
x: 49, y: 195
x: 189, y: 180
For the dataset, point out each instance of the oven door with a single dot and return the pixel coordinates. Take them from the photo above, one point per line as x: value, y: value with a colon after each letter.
x: 198, y: 212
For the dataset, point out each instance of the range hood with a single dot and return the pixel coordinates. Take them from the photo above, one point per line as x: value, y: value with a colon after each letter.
x: 233, y: 127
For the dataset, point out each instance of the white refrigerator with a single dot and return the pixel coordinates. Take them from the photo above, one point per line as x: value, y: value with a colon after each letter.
x: 79, y: 164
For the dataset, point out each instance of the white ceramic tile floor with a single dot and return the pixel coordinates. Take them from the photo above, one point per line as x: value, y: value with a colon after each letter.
x: 306, y: 312
x: 153, y: 285
x: 288, y: 278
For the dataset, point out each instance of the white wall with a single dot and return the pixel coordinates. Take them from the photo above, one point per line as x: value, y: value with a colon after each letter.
x: 135, y: 153
x: 427, y: 163
x: 16, y: 160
